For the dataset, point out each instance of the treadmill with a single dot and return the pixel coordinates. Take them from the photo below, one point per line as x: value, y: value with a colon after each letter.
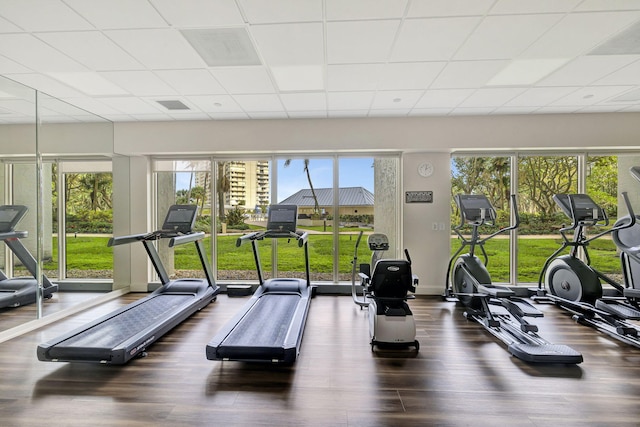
x: 126, y: 333
x: 18, y: 291
x: 269, y: 327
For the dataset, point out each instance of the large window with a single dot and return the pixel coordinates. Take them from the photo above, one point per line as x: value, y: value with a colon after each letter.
x: 337, y: 197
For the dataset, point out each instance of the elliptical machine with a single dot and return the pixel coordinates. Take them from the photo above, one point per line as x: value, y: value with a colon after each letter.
x: 496, y: 308
x: 576, y: 286
x: 386, y: 285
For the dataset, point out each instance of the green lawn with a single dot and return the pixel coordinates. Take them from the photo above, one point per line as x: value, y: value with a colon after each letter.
x: 92, y: 253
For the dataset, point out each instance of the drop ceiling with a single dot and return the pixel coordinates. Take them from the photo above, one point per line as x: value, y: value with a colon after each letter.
x: 151, y: 60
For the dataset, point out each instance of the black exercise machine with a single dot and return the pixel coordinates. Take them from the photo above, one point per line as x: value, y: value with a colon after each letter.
x: 18, y: 291
x: 270, y: 326
x: 576, y: 286
x: 128, y: 331
x: 496, y: 308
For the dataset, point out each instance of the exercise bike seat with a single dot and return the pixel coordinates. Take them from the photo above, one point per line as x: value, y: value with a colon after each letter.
x: 392, y: 279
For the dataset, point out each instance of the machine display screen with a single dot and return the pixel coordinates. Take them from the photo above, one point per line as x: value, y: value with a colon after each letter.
x: 180, y: 218
x: 585, y: 208
x: 282, y: 217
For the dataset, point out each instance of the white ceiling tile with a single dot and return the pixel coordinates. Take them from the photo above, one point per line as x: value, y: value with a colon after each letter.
x: 419, y: 112
x: 91, y: 48
x: 267, y: 115
x: 525, y: 72
x: 8, y: 27
x: 191, y: 82
x: 472, y: 111
x: 629, y: 75
x: 139, y: 83
x: 491, y: 97
x: 215, y: 104
x: 30, y: 52
x: 401, y: 112
x: 353, y: 77
x: 590, y: 95
x: 280, y: 11
x: 601, y: 108
x: 349, y: 100
x: 94, y: 105
x: 514, y: 110
x: 431, y: 39
x: 290, y: 44
x: 90, y: 83
x: 409, y: 75
x: 586, y: 69
x: 503, y: 37
x: 431, y: 8
x: 539, y: 96
x: 443, y: 98
x: 45, y: 84
x: 338, y: 10
x: 114, y: 14
x: 23, y: 13
x: 360, y: 42
x: 467, y: 74
x: 557, y: 110
x: 348, y: 113
x: 7, y: 66
x: 199, y: 13
x: 298, y: 77
x: 304, y: 101
x: 576, y: 34
x: 396, y: 99
x: 244, y: 79
x: 158, y: 49
x: 264, y: 102
x: 601, y: 5
x: 511, y: 7
x: 308, y: 114
x: 131, y: 105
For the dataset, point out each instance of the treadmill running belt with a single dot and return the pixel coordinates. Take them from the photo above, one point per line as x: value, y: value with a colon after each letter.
x: 266, y: 324
x: 117, y: 329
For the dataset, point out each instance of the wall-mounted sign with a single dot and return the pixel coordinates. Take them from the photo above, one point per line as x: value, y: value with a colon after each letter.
x: 418, y: 196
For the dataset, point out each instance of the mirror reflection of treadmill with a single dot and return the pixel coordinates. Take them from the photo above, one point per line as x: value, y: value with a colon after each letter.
x: 270, y: 326
x: 18, y: 291
x: 128, y: 331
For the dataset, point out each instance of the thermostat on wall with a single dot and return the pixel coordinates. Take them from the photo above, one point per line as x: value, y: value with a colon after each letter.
x: 418, y: 196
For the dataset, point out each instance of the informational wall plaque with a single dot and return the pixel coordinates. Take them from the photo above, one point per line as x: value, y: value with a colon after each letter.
x: 418, y: 196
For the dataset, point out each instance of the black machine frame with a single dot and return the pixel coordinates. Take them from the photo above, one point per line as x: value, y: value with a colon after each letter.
x: 496, y: 308
x: 18, y: 291
x: 270, y: 326
x: 127, y: 332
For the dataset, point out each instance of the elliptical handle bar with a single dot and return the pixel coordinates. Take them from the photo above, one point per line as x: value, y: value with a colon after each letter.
x: 516, y: 224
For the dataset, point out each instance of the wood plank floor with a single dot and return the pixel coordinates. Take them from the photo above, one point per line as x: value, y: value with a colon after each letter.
x: 461, y: 377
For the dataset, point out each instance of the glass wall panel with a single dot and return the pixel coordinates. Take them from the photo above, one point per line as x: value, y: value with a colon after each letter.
x: 489, y: 176
x: 183, y: 182
x: 602, y: 186
x: 539, y: 179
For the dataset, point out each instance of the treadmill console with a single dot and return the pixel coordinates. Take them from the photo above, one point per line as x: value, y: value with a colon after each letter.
x: 476, y: 208
x: 378, y: 242
x: 10, y: 216
x: 180, y: 219
x: 282, y: 218
x: 584, y: 208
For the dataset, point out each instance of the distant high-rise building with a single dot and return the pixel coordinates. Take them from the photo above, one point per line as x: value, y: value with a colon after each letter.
x: 248, y: 183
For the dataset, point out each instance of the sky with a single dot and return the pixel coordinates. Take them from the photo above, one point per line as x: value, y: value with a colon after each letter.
x: 354, y: 172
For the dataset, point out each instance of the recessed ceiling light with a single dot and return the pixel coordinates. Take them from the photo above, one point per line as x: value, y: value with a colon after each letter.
x: 526, y: 71
x: 625, y: 43
x: 90, y: 83
x: 217, y: 104
x: 397, y: 99
x: 223, y: 47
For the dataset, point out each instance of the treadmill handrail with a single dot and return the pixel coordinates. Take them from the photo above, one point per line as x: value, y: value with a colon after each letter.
x: 186, y: 238
x: 13, y: 235
x: 300, y: 236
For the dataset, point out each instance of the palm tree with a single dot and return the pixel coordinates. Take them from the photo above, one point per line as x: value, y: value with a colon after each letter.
x: 222, y: 186
x: 316, y: 207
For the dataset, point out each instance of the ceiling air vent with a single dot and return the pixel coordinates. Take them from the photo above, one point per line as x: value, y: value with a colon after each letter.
x: 223, y: 47
x: 173, y: 105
